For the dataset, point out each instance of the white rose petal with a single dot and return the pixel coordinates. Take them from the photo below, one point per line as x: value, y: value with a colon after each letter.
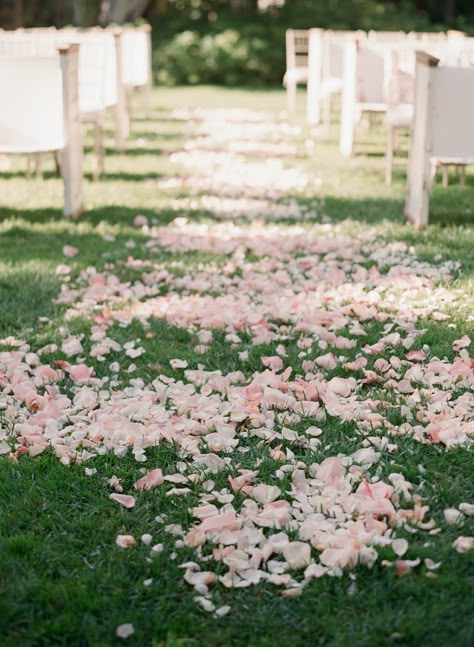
x: 399, y: 546
x: 463, y: 544
x: 453, y: 516
x: 125, y: 631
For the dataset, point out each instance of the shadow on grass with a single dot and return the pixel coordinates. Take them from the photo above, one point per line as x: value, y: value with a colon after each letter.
x: 123, y: 176
x: 106, y: 176
x: 110, y: 214
x: 151, y: 134
x: 47, y: 174
x: 449, y: 207
x: 133, y: 152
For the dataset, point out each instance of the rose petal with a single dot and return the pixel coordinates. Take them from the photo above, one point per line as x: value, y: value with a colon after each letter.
x: 265, y: 493
x: 70, y: 251
x: 125, y: 541
x: 463, y: 544
x: 297, y: 554
x: 399, y: 546
x: 125, y: 631
x: 124, y: 499
x: 150, y: 480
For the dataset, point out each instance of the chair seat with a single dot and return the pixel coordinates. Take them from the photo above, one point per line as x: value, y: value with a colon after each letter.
x: 453, y: 161
x: 330, y: 86
x: 296, y: 75
x: 371, y: 107
x: 29, y: 149
x: 400, y: 116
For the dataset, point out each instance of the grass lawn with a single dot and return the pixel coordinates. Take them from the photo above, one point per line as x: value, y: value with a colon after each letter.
x: 282, y: 251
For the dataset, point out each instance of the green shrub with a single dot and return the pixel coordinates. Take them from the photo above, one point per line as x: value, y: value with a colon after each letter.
x: 180, y: 60
x: 230, y: 57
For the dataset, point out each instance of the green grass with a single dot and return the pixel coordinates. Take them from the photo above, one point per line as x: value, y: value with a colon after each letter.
x: 63, y: 581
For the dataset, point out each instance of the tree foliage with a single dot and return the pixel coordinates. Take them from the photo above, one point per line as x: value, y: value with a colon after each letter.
x: 347, y: 13
x: 235, y: 41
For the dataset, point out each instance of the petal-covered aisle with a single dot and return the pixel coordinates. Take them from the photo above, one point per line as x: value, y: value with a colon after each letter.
x: 309, y: 380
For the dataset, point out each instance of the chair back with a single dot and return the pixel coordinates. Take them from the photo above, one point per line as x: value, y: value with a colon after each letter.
x: 135, y: 64
x: 31, y: 108
x: 297, y: 44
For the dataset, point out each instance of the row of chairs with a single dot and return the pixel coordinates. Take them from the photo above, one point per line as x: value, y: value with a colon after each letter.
x: 54, y: 80
x: 377, y: 72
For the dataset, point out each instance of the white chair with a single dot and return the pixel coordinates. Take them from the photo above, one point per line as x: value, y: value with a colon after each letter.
x: 370, y: 74
x: 93, y: 99
x: 363, y: 88
x: 325, y: 72
x: 137, y: 64
x: 385, y: 36
x: 297, y: 44
x: 442, y: 130
x: 451, y: 49
x: 100, y: 85
x: 400, y: 87
x: 39, y: 113
x: 461, y: 54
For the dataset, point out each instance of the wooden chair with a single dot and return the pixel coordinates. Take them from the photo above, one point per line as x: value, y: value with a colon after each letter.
x: 92, y: 88
x: 369, y: 78
x: 451, y: 49
x: 325, y: 72
x: 442, y: 129
x: 100, y: 84
x: 363, y: 88
x: 39, y: 113
x: 400, y: 87
x: 297, y: 44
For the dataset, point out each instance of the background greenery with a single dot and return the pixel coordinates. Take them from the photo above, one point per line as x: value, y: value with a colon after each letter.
x: 232, y: 42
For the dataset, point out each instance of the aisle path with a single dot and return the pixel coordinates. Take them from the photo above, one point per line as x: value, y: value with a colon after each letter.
x: 306, y: 375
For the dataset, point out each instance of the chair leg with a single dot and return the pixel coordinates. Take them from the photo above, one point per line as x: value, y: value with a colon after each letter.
x: 291, y: 96
x: 98, y: 151
x: 445, y: 175
x: 39, y: 164
x: 432, y: 176
x: 4, y: 163
x: 59, y: 163
x: 129, y: 103
x: 147, y: 95
x: 371, y: 121
x: 396, y: 141
x: 95, y: 169
x: 102, y: 149
x: 389, y: 155
x: 327, y: 111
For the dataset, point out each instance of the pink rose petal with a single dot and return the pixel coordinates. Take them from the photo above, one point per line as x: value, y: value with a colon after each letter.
x: 124, y: 499
x: 464, y: 342
x: 70, y: 251
x: 297, y: 554
x: 150, y: 480
x: 463, y: 544
x: 125, y: 541
x: 416, y: 356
